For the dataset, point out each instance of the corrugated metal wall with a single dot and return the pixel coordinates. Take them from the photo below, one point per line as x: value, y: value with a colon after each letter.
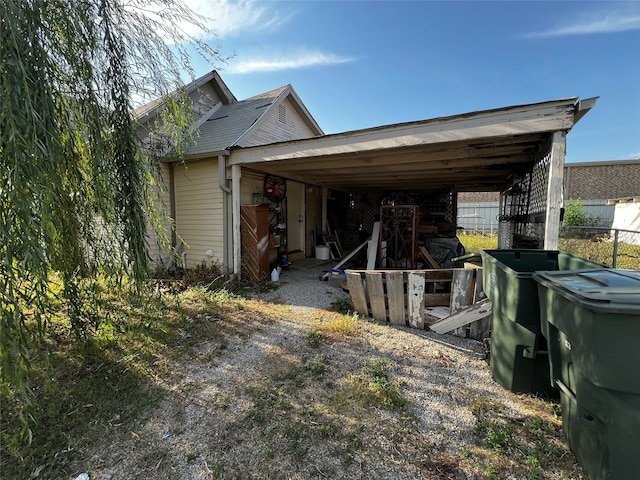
x: 483, y: 216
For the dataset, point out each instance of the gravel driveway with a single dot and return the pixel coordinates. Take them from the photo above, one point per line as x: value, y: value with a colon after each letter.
x: 264, y: 401
x: 300, y: 285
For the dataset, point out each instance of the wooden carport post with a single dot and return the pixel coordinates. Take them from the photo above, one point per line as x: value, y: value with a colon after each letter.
x: 235, y: 201
x: 555, y: 187
x: 325, y: 198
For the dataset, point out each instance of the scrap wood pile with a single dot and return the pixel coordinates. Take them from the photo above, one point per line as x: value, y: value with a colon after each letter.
x: 442, y: 300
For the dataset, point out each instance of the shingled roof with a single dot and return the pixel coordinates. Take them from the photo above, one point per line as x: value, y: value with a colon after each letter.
x: 230, y: 122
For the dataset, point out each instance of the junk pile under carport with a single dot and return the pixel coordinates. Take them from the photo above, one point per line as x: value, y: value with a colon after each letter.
x: 450, y: 298
x: 412, y: 274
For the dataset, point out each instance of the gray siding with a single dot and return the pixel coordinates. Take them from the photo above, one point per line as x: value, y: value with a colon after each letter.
x: 278, y: 127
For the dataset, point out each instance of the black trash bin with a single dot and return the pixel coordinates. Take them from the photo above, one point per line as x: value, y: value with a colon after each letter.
x: 518, y: 358
x: 591, y: 319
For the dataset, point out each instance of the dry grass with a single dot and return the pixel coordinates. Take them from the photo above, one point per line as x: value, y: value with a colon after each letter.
x: 628, y: 256
x: 596, y: 249
x: 230, y: 388
x: 476, y: 243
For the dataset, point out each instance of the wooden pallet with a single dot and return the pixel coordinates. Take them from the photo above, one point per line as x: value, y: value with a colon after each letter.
x: 414, y: 298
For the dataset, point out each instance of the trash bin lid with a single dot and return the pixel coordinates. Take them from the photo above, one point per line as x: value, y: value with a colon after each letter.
x: 604, y: 287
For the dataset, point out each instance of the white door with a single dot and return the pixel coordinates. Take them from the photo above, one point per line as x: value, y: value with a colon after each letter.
x: 295, y: 216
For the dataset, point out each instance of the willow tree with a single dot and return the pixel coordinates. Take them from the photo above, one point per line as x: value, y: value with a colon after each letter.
x: 74, y: 170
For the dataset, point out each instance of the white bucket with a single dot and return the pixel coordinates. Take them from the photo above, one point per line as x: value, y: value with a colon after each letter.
x: 323, y: 252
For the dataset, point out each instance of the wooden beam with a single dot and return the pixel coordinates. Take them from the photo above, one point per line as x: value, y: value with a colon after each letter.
x: 375, y: 288
x: 428, y: 258
x: 555, y: 194
x: 463, y: 317
x: 356, y: 290
x: 428, y: 275
x: 372, y: 250
x: 325, y: 197
x: 415, y: 296
x: 347, y: 258
x: 430, y: 157
x: 516, y: 120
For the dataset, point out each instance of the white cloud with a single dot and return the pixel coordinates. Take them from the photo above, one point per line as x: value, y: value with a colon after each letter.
x: 227, y: 18
x: 271, y: 62
x: 600, y: 22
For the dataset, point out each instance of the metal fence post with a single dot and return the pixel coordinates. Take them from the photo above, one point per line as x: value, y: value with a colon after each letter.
x: 615, y: 248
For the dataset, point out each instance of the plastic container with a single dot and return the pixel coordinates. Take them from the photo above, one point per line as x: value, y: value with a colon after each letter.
x: 519, y: 353
x: 591, y: 319
x: 323, y: 252
x: 275, y: 275
x: 337, y: 278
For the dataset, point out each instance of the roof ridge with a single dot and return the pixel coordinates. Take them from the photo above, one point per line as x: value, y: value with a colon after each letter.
x: 279, y: 90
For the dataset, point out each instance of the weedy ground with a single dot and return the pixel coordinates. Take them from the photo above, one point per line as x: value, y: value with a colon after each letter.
x: 201, y: 384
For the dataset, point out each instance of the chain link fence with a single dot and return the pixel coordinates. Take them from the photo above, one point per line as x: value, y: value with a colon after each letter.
x: 611, y: 247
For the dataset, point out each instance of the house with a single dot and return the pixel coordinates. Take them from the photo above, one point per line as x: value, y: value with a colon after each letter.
x: 268, y: 151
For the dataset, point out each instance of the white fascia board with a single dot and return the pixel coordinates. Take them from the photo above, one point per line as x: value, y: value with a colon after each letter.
x: 537, y: 118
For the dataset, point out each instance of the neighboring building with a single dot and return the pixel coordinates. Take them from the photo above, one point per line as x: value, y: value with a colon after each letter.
x: 602, y: 180
x: 268, y: 150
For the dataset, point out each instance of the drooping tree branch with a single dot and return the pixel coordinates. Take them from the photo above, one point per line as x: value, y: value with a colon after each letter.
x: 77, y: 186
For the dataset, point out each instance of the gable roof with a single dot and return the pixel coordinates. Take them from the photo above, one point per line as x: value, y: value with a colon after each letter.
x: 227, y: 125
x: 149, y: 110
x: 224, y: 124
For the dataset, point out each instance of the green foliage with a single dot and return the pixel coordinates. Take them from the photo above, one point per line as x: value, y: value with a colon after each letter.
x: 204, y: 275
x: 266, y: 286
x: 372, y: 387
x: 314, y: 337
x: 532, y: 441
x: 343, y: 305
x: 77, y: 185
x: 316, y: 366
x: 575, y: 214
x: 80, y: 388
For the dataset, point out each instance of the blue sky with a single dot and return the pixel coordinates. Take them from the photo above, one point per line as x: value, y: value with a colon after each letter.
x: 359, y: 64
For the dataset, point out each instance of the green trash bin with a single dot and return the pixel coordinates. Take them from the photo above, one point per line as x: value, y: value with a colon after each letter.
x: 591, y: 319
x: 518, y: 358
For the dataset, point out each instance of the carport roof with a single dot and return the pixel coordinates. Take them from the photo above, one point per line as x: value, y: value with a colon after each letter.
x: 477, y: 151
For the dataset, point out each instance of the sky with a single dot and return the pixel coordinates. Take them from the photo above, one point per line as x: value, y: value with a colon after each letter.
x: 361, y: 64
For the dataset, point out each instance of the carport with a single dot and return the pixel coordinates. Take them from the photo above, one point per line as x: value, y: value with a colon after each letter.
x: 518, y: 151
